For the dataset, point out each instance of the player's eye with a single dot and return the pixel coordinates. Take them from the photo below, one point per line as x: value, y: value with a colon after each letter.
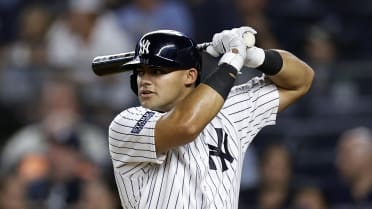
x: 140, y: 72
x: 155, y: 71
x: 158, y: 71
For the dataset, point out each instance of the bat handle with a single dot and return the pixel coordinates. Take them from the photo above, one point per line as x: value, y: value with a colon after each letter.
x: 110, y: 64
x: 203, y: 46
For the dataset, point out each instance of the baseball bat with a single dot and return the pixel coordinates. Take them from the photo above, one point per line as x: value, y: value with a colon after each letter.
x: 110, y: 64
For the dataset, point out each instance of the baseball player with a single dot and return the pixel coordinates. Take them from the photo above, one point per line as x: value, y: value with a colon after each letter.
x: 184, y: 146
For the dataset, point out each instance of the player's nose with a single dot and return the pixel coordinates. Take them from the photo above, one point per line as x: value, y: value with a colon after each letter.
x: 145, y: 79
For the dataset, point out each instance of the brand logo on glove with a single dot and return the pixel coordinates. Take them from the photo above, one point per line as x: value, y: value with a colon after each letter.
x: 144, y: 47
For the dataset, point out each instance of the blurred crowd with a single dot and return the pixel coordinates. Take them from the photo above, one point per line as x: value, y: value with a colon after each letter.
x: 56, y: 111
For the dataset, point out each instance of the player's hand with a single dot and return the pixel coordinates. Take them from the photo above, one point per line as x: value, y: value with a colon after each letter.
x: 235, y: 53
x: 221, y: 42
x: 255, y: 56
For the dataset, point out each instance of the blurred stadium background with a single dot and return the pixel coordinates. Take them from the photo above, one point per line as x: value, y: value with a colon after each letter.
x: 55, y: 112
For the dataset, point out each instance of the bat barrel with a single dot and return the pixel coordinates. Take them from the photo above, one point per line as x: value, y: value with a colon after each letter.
x: 110, y: 64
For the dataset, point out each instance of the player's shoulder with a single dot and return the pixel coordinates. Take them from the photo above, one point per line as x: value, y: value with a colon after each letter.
x: 133, y: 120
x: 131, y: 113
x: 135, y: 111
x: 126, y: 118
x: 134, y: 114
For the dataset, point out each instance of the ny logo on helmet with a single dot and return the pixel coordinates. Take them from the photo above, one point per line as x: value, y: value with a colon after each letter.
x: 144, y: 47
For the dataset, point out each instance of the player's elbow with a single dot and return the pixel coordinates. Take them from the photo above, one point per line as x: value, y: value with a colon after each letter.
x: 302, y: 79
x: 298, y: 88
x: 307, y: 80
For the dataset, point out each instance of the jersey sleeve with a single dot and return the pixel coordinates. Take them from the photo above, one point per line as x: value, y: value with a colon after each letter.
x: 132, y: 137
x: 252, y: 106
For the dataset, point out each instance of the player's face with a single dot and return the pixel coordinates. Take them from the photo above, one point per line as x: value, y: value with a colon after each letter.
x: 161, y: 88
x: 353, y: 156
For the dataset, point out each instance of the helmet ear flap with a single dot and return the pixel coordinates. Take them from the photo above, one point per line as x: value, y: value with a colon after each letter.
x: 133, y: 83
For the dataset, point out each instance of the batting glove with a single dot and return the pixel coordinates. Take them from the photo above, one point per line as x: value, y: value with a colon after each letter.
x: 221, y: 41
x: 254, y: 57
x: 236, y: 54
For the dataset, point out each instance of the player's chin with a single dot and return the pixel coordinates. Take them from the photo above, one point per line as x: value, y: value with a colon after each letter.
x: 152, y: 105
x: 145, y: 104
x: 148, y: 103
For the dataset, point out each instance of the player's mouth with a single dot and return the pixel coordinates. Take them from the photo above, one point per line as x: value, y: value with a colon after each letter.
x: 146, y: 93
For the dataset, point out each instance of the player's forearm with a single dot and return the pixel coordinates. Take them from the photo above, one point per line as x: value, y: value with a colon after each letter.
x: 188, y: 118
x: 295, y: 75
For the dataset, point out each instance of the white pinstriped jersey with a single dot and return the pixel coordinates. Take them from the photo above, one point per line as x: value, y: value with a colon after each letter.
x: 202, y: 174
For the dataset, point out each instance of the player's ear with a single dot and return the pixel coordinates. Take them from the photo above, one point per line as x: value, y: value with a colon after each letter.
x: 191, y: 76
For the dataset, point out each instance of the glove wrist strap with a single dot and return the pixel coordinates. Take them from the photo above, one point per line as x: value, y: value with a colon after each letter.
x: 233, y: 59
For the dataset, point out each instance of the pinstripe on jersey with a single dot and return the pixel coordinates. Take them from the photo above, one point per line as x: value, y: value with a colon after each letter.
x: 202, y: 174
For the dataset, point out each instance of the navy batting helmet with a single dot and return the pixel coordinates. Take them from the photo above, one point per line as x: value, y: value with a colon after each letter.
x: 165, y: 48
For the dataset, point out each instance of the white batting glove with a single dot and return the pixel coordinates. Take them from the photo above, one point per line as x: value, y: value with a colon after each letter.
x: 220, y: 41
x: 236, y: 54
x: 254, y: 57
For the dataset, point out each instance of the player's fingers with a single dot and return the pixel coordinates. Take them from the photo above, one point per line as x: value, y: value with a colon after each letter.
x: 218, y: 42
x: 245, y: 29
x: 211, y: 51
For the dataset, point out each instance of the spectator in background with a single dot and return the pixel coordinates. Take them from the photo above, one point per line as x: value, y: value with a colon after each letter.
x: 84, y: 33
x: 25, y: 61
x: 60, y: 120
x: 309, y: 197
x: 210, y: 17
x: 341, y: 89
x: 13, y: 193
x: 253, y: 13
x: 250, y: 174
x: 29, y: 48
x: 320, y: 46
x: 51, y: 180
x: 321, y: 53
x: 60, y: 186
x: 96, y: 194
x: 354, y: 162
x: 320, y: 50
x: 274, y: 190
x: 142, y: 16
x: 74, y: 40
